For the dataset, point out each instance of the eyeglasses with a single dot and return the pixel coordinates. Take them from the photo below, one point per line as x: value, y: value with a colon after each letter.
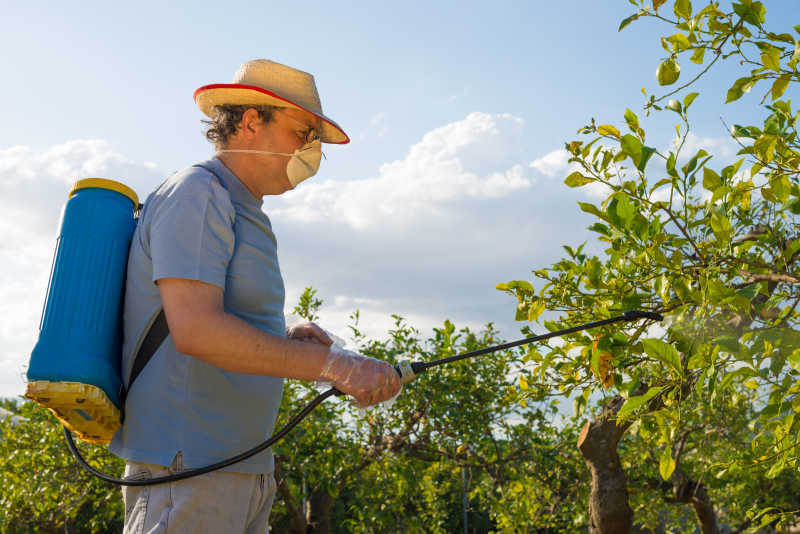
x: 308, y: 136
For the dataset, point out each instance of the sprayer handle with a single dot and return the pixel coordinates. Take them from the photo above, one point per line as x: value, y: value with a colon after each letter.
x: 404, y: 370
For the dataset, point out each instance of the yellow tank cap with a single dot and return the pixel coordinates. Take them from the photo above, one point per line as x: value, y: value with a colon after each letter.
x: 103, y: 183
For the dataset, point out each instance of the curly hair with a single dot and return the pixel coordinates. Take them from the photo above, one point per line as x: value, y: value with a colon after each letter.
x: 227, y: 119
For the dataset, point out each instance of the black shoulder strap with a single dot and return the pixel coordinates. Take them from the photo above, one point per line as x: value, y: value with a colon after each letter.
x: 158, y: 332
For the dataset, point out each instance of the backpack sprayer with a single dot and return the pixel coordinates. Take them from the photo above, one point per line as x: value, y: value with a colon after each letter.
x: 74, y: 369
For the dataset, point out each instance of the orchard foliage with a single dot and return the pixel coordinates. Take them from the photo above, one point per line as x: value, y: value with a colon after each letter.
x: 44, y: 489
x: 404, y: 468
x: 714, y: 245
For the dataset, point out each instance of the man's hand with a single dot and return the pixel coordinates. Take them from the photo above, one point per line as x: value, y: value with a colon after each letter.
x: 369, y: 380
x: 310, y: 333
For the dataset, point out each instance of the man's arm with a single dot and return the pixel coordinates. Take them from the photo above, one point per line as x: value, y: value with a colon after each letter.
x: 201, y: 328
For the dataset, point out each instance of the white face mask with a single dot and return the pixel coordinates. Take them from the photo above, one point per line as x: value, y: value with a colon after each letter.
x: 304, y: 162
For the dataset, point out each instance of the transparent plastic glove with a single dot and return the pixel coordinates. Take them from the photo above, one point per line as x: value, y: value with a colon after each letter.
x: 368, y: 380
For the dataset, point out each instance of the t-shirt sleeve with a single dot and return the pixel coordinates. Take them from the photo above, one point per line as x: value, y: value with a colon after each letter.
x: 191, y: 233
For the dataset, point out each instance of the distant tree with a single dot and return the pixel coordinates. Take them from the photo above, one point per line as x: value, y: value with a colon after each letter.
x: 43, y: 489
x: 707, y: 404
x: 404, y: 468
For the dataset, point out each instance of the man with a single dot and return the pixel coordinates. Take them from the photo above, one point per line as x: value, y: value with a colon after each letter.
x: 205, y: 253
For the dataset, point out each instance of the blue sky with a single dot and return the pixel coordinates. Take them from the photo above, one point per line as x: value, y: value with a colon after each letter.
x: 456, y: 111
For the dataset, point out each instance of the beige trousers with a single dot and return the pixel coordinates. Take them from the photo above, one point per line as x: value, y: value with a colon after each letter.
x: 217, y: 502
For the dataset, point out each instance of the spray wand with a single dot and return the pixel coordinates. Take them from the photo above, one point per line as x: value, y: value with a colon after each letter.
x: 407, y: 371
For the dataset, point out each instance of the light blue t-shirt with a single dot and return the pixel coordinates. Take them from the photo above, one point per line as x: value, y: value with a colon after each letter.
x: 204, y: 227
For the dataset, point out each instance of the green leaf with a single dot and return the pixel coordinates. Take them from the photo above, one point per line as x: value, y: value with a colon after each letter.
x: 739, y: 131
x: 666, y: 464
x: 771, y: 59
x: 523, y: 383
x: 698, y: 55
x: 792, y: 63
x: 634, y: 403
x: 774, y: 470
x: 764, y: 147
x: 663, y: 352
x: 752, y: 12
x: 719, y: 193
x: 794, y: 359
x: 631, y: 119
x: 638, y: 153
x: 591, y: 208
x: 688, y: 99
x: 711, y: 180
x: 576, y: 179
x: 772, y: 125
x: 608, y: 129
x: 701, y: 381
x: 781, y: 186
x: 627, y: 21
x: 535, y: 310
x: 633, y: 123
x: 692, y: 163
x: 721, y: 226
x: 679, y: 42
x: 660, y: 183
x: 625, y: 209
x: 780, y: 86
x: 739, y: 87
x: 632, y: 147
x: 744, y: 372
x: 730, y: 170
x: 794, y: 206
x: 683, y: 9
x: 647, y: 152
x: 522, y: 285
x: 671, y: 159
x: 600, y: 228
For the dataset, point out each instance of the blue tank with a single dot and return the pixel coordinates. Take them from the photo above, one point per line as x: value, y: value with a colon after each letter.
x: 75, y: 367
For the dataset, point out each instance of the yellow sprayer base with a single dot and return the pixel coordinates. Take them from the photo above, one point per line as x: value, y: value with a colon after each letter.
x: 83, y: 408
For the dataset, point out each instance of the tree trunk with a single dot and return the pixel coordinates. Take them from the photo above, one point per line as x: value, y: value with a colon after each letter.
x: 297, y: 519
x: 609, y: 512
x: 694, y: 493
x: 319, y: 512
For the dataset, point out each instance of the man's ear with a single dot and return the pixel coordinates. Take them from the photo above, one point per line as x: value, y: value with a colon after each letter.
x: 251, y: 120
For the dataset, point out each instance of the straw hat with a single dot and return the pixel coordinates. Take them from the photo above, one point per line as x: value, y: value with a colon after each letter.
x: 266, y: 83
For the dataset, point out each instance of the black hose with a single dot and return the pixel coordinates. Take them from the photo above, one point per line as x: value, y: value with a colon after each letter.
x: 201, y: 470
x: 417, y: 367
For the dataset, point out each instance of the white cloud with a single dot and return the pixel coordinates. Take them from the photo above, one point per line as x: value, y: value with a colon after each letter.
x: 479, y: 157
x: 723, y: 149
x: 552, y: 163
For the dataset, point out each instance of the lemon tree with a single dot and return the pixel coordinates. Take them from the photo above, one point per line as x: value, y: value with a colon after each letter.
x: 710, y: 398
